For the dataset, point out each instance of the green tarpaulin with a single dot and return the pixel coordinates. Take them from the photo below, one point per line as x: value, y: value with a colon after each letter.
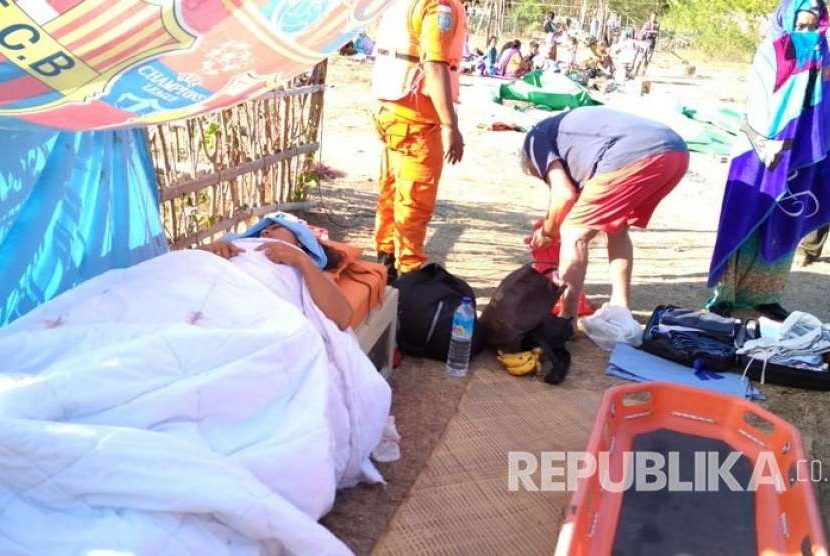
x: 551, y: 91
x: 716, y: 131
x: 705, y: 129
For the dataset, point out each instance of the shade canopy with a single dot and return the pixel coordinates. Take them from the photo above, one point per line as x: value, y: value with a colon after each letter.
x: 98, y: 64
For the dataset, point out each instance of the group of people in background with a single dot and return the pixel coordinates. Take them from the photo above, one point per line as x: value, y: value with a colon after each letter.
x: 509, y: 61
x: 605, y: 50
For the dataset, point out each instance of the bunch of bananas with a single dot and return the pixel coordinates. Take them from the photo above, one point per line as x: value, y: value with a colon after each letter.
x: 522, y: 363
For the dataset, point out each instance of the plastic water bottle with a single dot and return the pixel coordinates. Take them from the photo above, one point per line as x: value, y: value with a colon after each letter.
x: 463, y: 321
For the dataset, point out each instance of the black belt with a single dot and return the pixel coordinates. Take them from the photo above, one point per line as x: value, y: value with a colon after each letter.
x: 399, y: 55
x: 406, y: 57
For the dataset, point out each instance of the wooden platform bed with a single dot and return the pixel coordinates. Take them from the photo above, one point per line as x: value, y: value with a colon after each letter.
x: 377, y: 333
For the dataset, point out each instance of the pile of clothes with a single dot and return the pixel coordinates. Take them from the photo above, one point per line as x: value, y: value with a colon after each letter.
x: 709, y: 351
x: 800, y: 342
x: 693, y: 337
x: 790, y: 353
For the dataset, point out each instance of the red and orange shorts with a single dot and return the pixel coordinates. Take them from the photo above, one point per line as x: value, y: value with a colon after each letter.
x: 627, y: 197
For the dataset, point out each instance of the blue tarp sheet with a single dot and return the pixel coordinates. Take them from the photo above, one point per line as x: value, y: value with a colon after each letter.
x: 630, y: 363
x: 72, y: 205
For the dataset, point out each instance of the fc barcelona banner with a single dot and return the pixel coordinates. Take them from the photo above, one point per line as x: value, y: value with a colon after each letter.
x: 96, y: 64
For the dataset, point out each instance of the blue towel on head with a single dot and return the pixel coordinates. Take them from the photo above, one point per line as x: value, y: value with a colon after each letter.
x: 308, y: 241
x: 633, y: 364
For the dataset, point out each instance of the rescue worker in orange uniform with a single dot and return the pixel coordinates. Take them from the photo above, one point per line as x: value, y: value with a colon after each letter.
x: 418, y: 51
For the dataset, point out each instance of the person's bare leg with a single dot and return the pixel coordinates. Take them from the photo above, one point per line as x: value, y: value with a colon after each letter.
x: 621, y: 260
x: 573, y: 264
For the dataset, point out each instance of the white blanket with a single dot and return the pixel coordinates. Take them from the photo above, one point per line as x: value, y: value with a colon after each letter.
x: 182, y: 406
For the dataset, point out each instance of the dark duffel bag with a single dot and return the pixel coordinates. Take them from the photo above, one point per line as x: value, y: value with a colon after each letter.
x: 518, y: 306
x: 427, y: 302
x: 783, y: 375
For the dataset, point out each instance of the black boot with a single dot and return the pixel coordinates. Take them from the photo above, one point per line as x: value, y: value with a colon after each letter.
x: 388, y: 260
x: 773, y: 311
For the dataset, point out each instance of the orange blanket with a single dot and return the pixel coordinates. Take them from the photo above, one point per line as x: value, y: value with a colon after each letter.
x: 363, y: 283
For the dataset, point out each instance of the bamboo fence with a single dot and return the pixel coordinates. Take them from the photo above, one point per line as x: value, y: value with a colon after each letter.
x: 218, y: 172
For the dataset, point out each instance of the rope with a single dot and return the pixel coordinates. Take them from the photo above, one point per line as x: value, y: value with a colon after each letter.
x: 327, y: 212
x: 766, y: 354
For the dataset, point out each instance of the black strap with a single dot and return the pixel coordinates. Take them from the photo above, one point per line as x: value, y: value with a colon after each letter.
x: 399, y: 55
x: 406, y: 57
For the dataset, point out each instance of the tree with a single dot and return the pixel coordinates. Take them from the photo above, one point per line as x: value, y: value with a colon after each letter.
x: 722, y: 28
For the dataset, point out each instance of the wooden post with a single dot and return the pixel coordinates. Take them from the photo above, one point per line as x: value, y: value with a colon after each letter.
x: 315, y: 115
x: 285, y: 186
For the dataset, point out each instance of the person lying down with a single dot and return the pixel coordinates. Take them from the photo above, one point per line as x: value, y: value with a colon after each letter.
x: 188, y: 404
x: 283, y: 239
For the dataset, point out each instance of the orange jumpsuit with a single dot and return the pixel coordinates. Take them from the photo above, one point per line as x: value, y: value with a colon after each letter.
x: 417, y: 31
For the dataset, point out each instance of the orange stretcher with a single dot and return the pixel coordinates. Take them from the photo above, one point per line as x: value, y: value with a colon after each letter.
x: 665, y: 418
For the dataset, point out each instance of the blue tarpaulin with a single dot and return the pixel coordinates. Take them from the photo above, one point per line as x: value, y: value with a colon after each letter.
x: 630, y: 363
x: 72, y: 205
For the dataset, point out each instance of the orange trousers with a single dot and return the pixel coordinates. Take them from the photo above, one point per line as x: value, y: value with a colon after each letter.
x: 411, y: 167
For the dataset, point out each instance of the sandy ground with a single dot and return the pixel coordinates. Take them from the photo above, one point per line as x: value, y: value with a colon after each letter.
x: 486, y: 206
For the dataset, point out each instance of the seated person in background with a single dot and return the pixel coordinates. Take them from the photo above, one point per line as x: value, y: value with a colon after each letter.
x: 290, y: 242
x: 596, y: 59
x: 470, y: 58
x: 606, y: 171
x: 528, y: 61
x: 491, y: 57
x: 504, y: 48
x: 511, y: 62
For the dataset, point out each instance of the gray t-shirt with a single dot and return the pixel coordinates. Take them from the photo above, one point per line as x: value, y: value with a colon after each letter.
x: 595, y: 140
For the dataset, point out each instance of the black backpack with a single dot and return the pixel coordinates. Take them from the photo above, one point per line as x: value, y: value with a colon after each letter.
x: 521, y: 303
x: 427, y: 301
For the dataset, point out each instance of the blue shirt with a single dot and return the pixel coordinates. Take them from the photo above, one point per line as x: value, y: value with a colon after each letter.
x: 595, y: 140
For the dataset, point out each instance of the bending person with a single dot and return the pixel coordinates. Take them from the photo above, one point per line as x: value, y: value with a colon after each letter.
x: 293, y: 244
x: 778, y: 188
x: 607, y: 171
